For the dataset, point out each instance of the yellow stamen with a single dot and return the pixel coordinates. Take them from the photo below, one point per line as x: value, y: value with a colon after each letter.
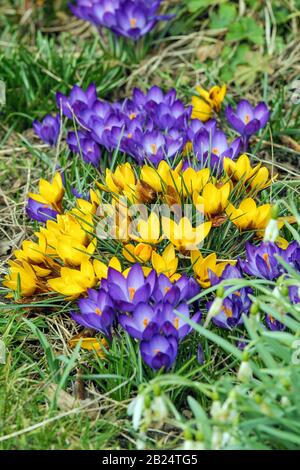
x: 216, y: 151
x: 176, y: 323
x: 98, y: 311
x: 247, y: 118
x: 145, y: 322
x: 132, y: 116
x: 133, y: 22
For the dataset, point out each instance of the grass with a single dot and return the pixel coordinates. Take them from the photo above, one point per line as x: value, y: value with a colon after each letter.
x: 56, y: 397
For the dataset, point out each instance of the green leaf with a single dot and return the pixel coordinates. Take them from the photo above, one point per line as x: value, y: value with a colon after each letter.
x: 226, y: 15
x: 245, y: 29
x: 195, y: 5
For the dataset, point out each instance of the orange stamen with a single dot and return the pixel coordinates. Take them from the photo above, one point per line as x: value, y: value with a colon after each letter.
x: 133, y: 22
x: 131, y: 292
x: 266, y: 259
x: 98, y: 311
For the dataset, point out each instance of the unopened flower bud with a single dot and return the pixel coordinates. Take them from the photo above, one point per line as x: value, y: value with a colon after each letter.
x: 245, y: 372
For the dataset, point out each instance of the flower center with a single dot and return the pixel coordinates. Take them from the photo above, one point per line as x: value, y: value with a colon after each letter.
x: 176, y: 323
x: 131, y: 292
x: 98, y: 311
x: 266, y: 259
x: 156, y: 351
x: 215, y: 150
x: 132, y: 116
x: 129, y: 136
x: 133, y: 22
x: 167, y: 289
x: 145, y: 322
x: 153, y: 148
x: 228, y: 312
x: 247, y: 118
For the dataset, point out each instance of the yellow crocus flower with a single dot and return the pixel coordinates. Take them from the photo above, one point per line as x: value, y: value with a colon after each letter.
x: 139, y: 253
x: 255, y: 177
x: 201, y: 267
x: 73, y: 253
x: 208, y: 102
x: 50, y: 193
x: 214, y: 200
x: 33, y: 252
x: 21, y: 275
x: 74, y: 282
x: 194, y: 180
x: 165, y: 263
x: 149, y: 230
x: 248, y: 216
x: 101, y: 269
x: 122, y: 179
x: 183, y: 236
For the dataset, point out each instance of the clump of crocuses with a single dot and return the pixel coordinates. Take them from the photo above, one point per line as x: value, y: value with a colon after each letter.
x: 150, y: 308
x: 149, y: 127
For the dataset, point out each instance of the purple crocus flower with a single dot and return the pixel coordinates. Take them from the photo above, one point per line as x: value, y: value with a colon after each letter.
x: 78, y: 100
x: 211, y: 147
x: 247, y: 120
x: 127, y: 292
x: 182, y: 290
x: 261, y: 262
x: 83, y: 144
x: 292, y: 255
x: 129, y: 18
x: 273, y: 324
x: 231, y: 314
x: 40, y: 211
x: 159, y: 352
x: 140, y: 325
x: 234, y: 304
x: 48, y: 129
x: 96, y: 311
x: 173, y: 324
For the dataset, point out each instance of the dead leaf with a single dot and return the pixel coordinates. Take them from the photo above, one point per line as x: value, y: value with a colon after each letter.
x: 209, y: 51
x: 66, y: 402
x: 291, y: 143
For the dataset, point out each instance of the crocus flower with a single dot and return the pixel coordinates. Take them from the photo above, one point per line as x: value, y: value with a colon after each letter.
x: 128, y: 291
x: 174, y: 324
x: 214, y: 199
x: 21, y: 276
x: 165, y: 263
x: 74, y: 282
x: 247, y: 120
x: 140, y: 321
x: 77, y: 101
x: 292, y: 255
x: 248, y: 216
x: 204, y: 266
x: 256, y: 177
x: 208, y: 101
x: 159, y: 352
x: 86, y: 146
x: 50, y: 193
x: 40, y: 211
x: 211, y: 148
x: 234, y: 304
x: 96, y: 311
x: 261, y: 262
x: 129, y: 18
x: 182, y: 235
x: 273, y: 324
x: 48, y: 129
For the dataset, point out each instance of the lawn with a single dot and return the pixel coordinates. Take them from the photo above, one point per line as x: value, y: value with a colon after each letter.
x: 122, y: 329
